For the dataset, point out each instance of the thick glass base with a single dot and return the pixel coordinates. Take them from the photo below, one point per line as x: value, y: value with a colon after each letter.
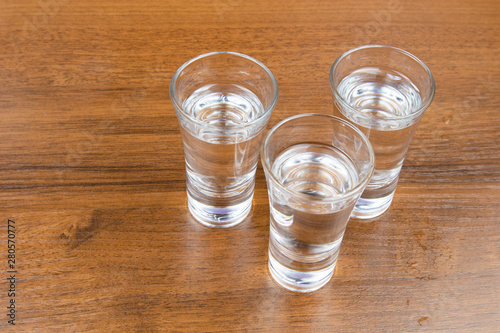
x: 298, y: 280
x: 219, y: 216
x: 370, y: 208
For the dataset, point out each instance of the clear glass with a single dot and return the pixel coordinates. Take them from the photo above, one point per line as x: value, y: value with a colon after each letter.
x: 384, y: 91
x: 316, y: 168
x: 223, y: 101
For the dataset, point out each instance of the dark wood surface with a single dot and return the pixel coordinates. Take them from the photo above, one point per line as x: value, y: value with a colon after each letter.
x: 92, y: 170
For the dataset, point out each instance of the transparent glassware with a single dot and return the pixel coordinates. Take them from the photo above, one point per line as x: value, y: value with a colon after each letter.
x: 384, y: 91
x: 316, y: 168
x: 223, y: 101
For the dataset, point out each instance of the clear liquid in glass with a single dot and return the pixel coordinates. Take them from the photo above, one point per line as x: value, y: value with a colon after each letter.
x: 221, y: 158
x: 383, y: 102
x: 306, y: 232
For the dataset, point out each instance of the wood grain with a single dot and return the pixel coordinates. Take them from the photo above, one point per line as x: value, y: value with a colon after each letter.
x: 92, y: 170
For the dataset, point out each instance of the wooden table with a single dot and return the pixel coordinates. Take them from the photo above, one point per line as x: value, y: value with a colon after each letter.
x: 92, y: 170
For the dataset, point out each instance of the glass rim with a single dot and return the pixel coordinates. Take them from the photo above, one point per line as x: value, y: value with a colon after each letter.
x: 412, y: 115
x: 348, y: 194
x: 179, y: 108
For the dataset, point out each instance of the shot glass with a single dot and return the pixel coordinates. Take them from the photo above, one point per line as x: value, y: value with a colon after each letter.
x: 316, y: 168
x: 223, y: 101
x: 384, y: 91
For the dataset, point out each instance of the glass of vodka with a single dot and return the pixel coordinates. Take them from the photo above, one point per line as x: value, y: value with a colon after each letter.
x: 223, y: 101
x: 384, y: 91
x: 316, y: 168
